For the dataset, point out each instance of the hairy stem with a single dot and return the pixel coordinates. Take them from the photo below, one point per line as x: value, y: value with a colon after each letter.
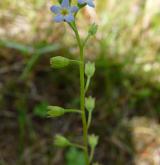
x: 82, y: 94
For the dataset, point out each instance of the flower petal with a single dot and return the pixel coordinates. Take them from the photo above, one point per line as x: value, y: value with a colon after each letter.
x: 73, y: 9
x: 69, y: 18
x: 58, y: 18
x: 81, y: 2
x: 90, y: 3
x: 55, y: 9
x: 65, y: 3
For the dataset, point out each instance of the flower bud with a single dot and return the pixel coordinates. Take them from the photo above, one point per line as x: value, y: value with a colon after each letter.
x: 61, y: 141
x: 93, y: 29
x: 90, y: 103
x: 93, y: 140
x: 55, y: 111
x: 89, y: 69
x: 59, y: 62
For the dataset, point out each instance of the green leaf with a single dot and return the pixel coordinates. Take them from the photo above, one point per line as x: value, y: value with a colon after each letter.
x: 48, y: 49
x: 29, y: 65
x: 15, y: 45
x: 74, y: 156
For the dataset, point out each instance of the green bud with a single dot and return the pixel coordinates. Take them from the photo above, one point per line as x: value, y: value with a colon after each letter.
x: 55, y: 111
x: 90, y: 103
x: 59, y: 62
x: 89, y: 69
x: 93, y: 29
x: 93, y: 140
x: 61, y: 141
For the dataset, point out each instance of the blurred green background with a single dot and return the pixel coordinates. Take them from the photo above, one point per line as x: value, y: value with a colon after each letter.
x: 126, y: 85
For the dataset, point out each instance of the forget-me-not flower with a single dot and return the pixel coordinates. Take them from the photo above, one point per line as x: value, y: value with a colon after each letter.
x: 88, y: 2
x: 64, y: 12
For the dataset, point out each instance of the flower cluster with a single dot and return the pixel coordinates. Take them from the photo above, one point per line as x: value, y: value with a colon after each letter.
x: 66, y: 12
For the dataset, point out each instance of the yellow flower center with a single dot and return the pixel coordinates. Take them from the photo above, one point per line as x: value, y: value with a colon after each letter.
x: 64, y: 12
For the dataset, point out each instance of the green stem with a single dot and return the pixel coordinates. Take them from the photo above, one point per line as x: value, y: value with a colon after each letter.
x: 78, y: 146
x: 75, y: 61
x: 87, y: 84
x: 91, y: 154
x: 73, y: 110
x: 82, y: 95
x: 86, y: 39
x: 89, y: 120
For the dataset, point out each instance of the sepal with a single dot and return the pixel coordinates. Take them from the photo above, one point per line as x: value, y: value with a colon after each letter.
x: 93, y: 140
x: 59, y: 62
x: 55, y: 111
x: 61, y: 141
x: 90, y: 103
x: 90, y: 69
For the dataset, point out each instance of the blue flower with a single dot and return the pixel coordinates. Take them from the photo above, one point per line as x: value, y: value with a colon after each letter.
x: 88, y: 2
x: 64, y: 12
